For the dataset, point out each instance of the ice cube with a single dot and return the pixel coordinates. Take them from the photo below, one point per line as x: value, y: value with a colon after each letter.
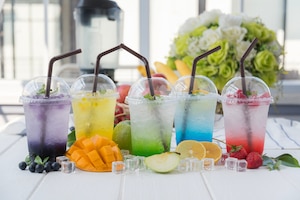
x: 125, y: 152
x: 231, y: 163
x: 60, y: 159
x: 223, y: 158
x: 131, y: 164
x: 67, y: 166
x: 184, y: 165
x: 208, y: 164
x: 241, y: 165
x: 196, y: 165
x: 118, y: 167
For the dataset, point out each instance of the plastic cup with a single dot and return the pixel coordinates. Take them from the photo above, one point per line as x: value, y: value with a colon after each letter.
x: 94, y: 112
x: 151, y: 119
x: 195, y: 113
x: 245, y: 117
x: 47, y: 119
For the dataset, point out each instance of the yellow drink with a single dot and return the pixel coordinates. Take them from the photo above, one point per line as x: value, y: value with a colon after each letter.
x: 94, y: 114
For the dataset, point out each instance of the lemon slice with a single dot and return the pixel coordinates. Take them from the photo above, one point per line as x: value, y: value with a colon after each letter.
x: 191, y: 149
x: 212, y: 150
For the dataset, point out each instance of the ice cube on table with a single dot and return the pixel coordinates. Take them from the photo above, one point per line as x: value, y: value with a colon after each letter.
x: 67, y: 166
x: 118, y: 167
x: 241, y: 165
x: 208, y: 164
x: 231, y: 163
x: 60, y: 159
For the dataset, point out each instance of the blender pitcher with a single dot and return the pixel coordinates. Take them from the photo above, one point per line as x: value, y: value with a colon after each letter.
x: 98, y: 27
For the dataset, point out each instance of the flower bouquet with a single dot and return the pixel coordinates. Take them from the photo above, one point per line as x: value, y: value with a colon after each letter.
x: 234, y: 34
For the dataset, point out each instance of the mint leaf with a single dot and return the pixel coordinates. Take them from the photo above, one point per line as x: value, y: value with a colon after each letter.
x: 71, y: 138
x: 38, y: 160
x: 149, y: 97
x: 288, y: 160
x: 27, y: 160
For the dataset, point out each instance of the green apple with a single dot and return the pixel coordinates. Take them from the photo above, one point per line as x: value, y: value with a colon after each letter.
x: 163, y: 163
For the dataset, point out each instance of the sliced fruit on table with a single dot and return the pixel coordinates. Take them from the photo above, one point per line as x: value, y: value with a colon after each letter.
x: 213, y: 150
x: 191, y: 149
x: 94, y: 154
x: 164, y: 162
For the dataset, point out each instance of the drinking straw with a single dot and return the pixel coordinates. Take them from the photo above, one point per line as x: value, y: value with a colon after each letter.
x: 97, y: 67
x: 191, y: 87
x: 195, y: 63
x: 253, y: 43
x: 246, y: 110
x: 50, y: 67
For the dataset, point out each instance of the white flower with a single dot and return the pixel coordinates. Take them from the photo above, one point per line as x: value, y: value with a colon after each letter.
x: 241, y: 48
x: 208, y: 38
x: 234, y: 34
x: 226, y: 21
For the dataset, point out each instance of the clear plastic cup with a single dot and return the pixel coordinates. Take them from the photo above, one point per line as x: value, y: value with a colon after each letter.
x: 151, y: 119
x: 47, y: 119
x: 195, y: 113
x: 245, y: 117
x: 94, y: 112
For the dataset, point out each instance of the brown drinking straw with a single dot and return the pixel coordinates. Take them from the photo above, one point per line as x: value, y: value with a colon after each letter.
x: 50, y: 67
x: 97, y: 68
x: 246, y: 109
x: 191, y: 87
x: 253, y: 43
x: 195, y: 63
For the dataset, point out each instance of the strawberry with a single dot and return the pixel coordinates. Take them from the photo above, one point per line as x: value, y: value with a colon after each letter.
x: 238, y: 152
x: 254, y: 160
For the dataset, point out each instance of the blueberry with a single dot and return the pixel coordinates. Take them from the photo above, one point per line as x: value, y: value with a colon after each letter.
x: 22, y: 165
x: 48, y: 167
x: 32, y: 167
x: 39, y: 168
x: 55, y: 166
x: 72, y: 128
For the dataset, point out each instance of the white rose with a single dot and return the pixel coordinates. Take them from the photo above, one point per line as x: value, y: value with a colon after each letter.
x: 234, y: 34
x: 241, y: 48
x: 208, y: 38
x: 189, y: 25
x: 194, y: 47
x: 208, y: 17
x: 230, y: 20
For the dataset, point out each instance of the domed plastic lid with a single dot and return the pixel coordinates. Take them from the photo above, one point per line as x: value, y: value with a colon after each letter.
x: 84, y: 85
x: 202, y: 85
x: 141, y: 88
x: 255, y: 89
x: 36, y: 89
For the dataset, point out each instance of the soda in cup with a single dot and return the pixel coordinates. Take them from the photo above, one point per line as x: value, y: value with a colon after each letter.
x: 151, y: 117
x: 93, y: 112
x: 46, y: 118
x: 245, y: 115
x: 195, y: 113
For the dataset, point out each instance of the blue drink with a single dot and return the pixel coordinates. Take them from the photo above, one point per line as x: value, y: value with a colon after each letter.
x: 194, y: 118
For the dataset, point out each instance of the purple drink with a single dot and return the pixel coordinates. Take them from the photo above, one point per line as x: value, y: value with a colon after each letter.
x: 47, y: 122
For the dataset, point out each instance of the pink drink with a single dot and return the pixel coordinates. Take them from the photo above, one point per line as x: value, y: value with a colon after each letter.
x: 238, y: 127
x: 246, y: 113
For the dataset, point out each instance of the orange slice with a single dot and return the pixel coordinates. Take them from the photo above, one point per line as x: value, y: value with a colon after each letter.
x: 191, y: 149
x: 212, y: 150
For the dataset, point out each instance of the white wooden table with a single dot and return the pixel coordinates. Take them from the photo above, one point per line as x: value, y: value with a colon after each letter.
x: 283, y: 136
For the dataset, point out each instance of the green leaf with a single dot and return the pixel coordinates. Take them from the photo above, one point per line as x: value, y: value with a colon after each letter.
x: 27, y: 160
x: 71, y: 138
x: 38, y: 160
x: 288, y: 160
x: 267, y: 160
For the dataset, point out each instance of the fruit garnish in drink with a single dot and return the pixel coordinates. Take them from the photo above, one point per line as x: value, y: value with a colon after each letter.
x: 163, y: 163
x: 42, y: 90
x: 191, y: 149
x: 212, y: 151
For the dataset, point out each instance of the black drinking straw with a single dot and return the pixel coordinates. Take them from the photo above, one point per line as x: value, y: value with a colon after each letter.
x: 253, y: 43
x: 50, y: 67
x: 191, y: 87
x: 246, y: 109
x: 97, y: 67
x: 195, y: 64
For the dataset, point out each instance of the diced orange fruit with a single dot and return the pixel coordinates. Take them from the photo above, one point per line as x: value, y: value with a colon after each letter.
x: 94, y: 154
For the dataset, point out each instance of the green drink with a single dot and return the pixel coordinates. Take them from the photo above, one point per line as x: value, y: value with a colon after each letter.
x: 151, y: 119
